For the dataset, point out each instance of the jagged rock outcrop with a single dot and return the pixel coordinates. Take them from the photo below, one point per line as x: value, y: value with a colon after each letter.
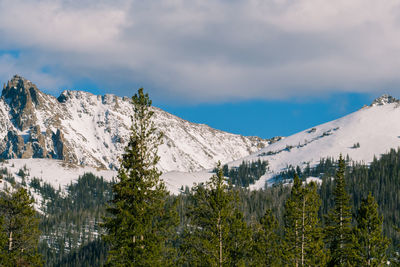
x: 12, y: 145
x: 384, y: 99
x: 86, y: 129
x: 38, y: 142
x: 28, y: 108
x: 22, y: 97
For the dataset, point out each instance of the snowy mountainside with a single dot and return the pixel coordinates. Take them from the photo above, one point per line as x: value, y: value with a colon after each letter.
x: 368, y: 132
x: 91, y: 130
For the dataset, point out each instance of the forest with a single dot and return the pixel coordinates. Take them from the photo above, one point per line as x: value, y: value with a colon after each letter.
x: 80, y: 243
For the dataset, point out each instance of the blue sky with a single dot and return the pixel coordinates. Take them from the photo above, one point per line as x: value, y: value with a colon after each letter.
x: 267, y: 119
x: 252, y: 67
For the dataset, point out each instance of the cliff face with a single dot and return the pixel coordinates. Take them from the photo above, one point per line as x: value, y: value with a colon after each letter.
x: 23, y: 98
x: 85, y: 129
x: 24, y: 109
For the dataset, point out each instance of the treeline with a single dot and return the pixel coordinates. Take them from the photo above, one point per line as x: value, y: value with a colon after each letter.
x: 251, y: 213
x: 302, y: 238
x: 70, y: 223
x: 246, y: 174
x: 359, y: 179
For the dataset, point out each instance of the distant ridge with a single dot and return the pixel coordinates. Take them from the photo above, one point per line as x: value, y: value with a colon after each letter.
x: 362, y: 135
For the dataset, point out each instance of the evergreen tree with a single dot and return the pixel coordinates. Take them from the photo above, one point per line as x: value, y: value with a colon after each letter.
x: 292, y: 224
x: 266, y: 245
x: 339, y: 229
x: 303, y: 234
x: 371, y: 243
x: 19, y: 231
x: 137, y: 226
x: 3, y: 242
x: 216, y: 232
x: 239, y: 240
x: 312, y: 239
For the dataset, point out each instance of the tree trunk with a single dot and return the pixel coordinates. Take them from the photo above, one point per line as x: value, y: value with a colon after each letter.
x: 341, y: 235
x: 10, y: 241
x: 220, y: 238
x: 302, y: 231
x: 296, y: 262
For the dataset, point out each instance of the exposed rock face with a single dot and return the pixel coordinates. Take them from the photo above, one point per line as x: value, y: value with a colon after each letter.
x: 12, y: 145
x: 25, y: 106
x: 384, y: 99
x: 82, y: 128
x: 38, y: 142
x: 22, y: 97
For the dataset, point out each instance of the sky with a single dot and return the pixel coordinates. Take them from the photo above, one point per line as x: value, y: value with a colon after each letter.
x: 252, y: 67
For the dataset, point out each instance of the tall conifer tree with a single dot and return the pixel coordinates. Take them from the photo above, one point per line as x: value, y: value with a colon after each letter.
x: 240, y: 240
x: 19, y: 230
x: 137, y: 223
x: 266, y: 246
x: 216, y: 234
x: 303, y: 233
x: 292, y: 224
x: 339, y: 229
x: 371, y: 243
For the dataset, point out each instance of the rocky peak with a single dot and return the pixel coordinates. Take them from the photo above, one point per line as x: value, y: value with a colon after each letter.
x: 22, y: 97
x: 383, y: 100
x: 19, y: 87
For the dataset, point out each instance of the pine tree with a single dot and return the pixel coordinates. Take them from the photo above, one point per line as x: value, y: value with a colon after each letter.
x: 292, y: 224
x: 138, y: 223
x: 3, y: 242
x: 19, y: 231
x: 266, y: 245
x: 216, y: 229
x: 371, y: 243
x: 303, y: 234
x: 339, y: 229
x: 240, y: 238
x: 314, y: 252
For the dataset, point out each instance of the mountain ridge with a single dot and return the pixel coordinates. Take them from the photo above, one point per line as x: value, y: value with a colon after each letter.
x: 362, y: 135
x: 86, y: 129
x: 90, y: 130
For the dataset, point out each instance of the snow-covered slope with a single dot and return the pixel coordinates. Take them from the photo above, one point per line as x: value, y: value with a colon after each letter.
x: 59, y: 174
x: 91, y: 130
x: 366, y: 133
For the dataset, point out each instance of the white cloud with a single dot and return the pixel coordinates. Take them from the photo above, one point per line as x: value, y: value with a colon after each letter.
x: 201, y: 50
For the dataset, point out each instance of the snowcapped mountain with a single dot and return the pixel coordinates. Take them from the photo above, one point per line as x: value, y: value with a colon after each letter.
x: 362, y: 135
x: 368, y: 132
x: 79, y: 132
x: 91, y: 130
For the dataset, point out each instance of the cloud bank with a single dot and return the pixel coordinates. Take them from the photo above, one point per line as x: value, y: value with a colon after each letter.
x: 204, y: 51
